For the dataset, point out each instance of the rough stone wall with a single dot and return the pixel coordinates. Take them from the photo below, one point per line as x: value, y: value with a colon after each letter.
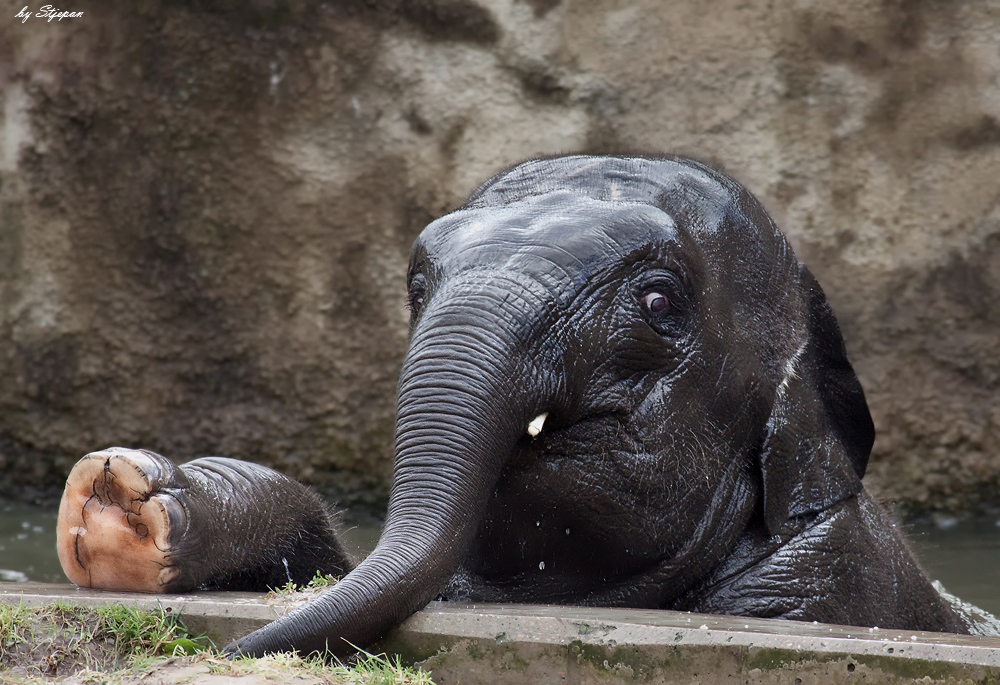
x: 206, y: 207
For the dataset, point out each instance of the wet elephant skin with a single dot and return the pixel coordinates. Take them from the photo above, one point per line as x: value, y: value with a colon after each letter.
x: 705, y: 434
x: 705, y: 437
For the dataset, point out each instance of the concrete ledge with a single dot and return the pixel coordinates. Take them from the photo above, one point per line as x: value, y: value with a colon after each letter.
x: 519, y: 644
x: 490, y: 643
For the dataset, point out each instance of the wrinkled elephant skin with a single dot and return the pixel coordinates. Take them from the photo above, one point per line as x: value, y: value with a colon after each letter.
x: 622, y: 389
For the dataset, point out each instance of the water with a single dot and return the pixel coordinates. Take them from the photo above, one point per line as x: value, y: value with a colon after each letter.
x: 963, y: 555
x: 28, y: 545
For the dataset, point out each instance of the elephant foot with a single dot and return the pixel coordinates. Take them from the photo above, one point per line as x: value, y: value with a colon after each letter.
x: 131, y: 520
x: 116, y: 526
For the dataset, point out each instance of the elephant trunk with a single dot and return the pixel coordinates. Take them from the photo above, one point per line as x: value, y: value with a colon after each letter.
x: 463, y: 404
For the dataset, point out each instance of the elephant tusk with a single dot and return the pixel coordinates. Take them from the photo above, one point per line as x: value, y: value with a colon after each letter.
x: 535, y: 427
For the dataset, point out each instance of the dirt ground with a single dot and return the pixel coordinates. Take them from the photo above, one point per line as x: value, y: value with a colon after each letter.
x: 207, y: 670
x: 72, y: 644
x: 55, y: 643
x: 189, y: 669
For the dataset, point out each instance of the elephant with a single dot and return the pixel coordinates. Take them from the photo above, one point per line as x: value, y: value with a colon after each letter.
x: 622, y: 389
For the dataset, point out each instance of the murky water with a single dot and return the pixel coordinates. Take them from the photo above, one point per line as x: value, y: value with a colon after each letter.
x: 964, y: 556
x: 28, y: 545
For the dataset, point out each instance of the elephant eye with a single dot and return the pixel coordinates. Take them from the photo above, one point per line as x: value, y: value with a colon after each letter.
x: 414, y: 301
x: 415, y: 295
x: 655, y: 303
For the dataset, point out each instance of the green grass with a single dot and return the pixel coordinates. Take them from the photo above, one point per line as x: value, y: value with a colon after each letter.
x: 318, y: 582
x: 63, y: 637
x: 115, y: 643
x: 13, y: 626
x: 380, y: 669
x: 365, y: 669
x: 142, y: 634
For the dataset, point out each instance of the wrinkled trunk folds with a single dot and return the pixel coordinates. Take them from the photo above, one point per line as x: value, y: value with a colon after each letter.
x: 463, y: 403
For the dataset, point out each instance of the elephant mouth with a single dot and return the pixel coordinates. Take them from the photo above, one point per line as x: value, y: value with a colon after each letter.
x: 592, y: 436
x: 559, y: 519
x: 605, y: 423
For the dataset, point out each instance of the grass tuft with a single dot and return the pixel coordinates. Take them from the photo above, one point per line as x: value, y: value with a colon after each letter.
x: 380, y: 669
x: 142, y: 634
x: 319, y: 581
x: 13, y: 626
x: 364, y: 669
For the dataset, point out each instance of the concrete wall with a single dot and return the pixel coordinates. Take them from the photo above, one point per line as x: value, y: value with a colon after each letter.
x: 491, y: 644
x: 206, y: 207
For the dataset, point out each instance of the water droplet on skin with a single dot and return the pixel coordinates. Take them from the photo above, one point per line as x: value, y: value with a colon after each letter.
x: 541, y: 565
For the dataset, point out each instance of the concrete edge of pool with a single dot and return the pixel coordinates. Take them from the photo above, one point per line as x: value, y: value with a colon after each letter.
x: 490, y: 643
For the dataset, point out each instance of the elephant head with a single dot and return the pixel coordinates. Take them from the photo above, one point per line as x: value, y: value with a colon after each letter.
x: 688, y: 378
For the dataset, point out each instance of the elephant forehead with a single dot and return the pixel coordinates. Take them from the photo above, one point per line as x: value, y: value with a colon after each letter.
x: 560, y: 231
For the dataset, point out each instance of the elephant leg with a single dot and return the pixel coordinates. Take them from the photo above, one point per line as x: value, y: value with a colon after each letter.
x: 132, y: 520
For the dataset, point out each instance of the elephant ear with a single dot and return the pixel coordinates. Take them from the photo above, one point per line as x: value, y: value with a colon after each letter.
x: 819, y: 433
